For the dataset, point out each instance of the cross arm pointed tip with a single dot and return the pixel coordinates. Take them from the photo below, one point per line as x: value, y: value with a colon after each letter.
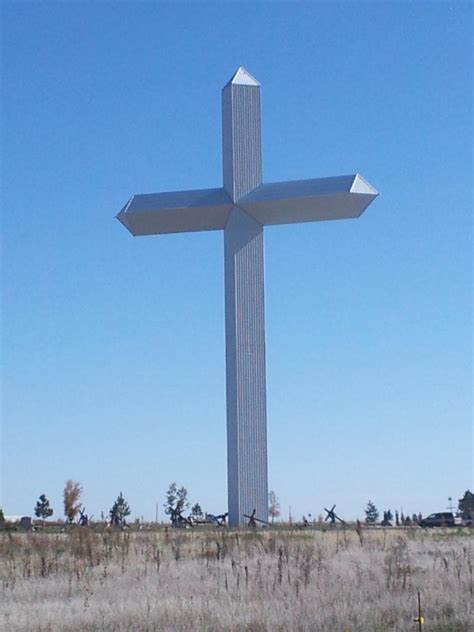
x: 360, y: 185
x: 123, y: 217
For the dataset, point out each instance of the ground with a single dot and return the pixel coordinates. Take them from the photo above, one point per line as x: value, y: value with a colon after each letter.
x: 336, y: 580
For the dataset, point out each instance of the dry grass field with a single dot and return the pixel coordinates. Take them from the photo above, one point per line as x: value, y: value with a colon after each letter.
x: 280, y: 580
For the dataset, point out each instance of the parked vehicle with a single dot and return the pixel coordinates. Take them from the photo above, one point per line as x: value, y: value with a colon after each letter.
x: 443, y: 519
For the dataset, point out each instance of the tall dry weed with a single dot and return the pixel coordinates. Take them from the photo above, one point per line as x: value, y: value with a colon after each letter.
x: 337, y: 580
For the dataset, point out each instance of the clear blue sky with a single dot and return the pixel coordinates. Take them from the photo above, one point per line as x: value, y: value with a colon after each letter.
x: 113, y: 347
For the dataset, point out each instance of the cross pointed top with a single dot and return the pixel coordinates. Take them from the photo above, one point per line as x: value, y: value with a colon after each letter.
x: 242, y: 77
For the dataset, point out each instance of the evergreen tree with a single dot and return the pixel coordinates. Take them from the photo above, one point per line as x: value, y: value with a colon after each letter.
x: 2, y: 517
x: 196, y: 511
x: 42, y: 509
x: 371, y: 513
x: 120, y: 510
x: 466, y: 505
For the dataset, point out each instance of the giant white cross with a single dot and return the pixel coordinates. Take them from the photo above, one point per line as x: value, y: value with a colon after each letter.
x: 241, y: 208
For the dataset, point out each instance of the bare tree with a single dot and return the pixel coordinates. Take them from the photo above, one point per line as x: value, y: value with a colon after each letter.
x: 71, y: 494
x: 273, y: 506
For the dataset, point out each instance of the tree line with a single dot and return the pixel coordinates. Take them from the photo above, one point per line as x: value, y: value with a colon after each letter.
x: 176, y: 503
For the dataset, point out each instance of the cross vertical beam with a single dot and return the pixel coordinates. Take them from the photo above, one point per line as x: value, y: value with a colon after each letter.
x: 245, y: 367
x: 247, y: 479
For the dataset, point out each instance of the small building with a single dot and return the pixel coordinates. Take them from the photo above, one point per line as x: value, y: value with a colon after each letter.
x: 23, y: 522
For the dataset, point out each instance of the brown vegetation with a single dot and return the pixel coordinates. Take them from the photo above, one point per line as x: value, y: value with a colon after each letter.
x: 205, y: 579
x: 71, y: 494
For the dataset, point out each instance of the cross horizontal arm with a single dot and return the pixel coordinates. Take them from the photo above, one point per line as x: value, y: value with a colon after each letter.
x: 176, y: 212
x: 341, y: 197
